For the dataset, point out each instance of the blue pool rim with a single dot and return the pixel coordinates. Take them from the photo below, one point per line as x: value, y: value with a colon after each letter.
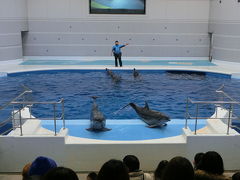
x: 52, y: 71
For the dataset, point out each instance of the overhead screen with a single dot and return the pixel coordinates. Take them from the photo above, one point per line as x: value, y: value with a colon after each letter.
x: 117, y: 6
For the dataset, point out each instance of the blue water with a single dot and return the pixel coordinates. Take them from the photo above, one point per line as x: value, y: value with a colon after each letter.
x: 164, y: 91
x: 127, y: 62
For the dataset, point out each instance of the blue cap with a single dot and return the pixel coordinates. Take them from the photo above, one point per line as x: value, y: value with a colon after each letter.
x: 41, y: 165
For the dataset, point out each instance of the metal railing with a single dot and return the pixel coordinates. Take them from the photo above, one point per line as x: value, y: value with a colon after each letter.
x: 230, y: 103
x: 21, y: 104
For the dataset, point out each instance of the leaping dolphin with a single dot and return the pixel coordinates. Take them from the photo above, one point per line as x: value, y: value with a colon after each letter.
x: 97, y: 119
x: 151, y: 117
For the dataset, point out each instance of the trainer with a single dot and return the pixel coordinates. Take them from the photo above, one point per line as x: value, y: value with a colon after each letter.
x: 116, y: 50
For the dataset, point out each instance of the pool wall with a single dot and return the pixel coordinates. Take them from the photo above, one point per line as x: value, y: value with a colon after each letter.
x: 88, y: 155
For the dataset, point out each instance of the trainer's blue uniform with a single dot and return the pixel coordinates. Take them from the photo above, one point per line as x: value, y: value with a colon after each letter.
x: 116, y: 49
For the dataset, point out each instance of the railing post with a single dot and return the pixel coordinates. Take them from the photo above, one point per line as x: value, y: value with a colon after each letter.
x: 196, y: 121
x: 30, y: 111
x: 186, y: 115
x: 216, y: 110
x: 20, y: 121
x: 229, y: 118
x: 13, y: 118
x: 55, y: 121
x: 63, y: 114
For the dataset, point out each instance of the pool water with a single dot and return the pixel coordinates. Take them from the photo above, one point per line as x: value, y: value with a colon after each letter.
x: 165, y: 91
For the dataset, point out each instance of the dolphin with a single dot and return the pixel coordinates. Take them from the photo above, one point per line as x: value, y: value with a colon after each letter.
x: 97, y: 119
x: 151, y: 117
x: 135, y: 73
x: 109, y: 72
x: 114, y: 77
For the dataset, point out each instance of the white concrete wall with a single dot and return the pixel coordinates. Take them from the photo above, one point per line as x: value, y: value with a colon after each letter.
x: 169, y: 28
x: 86, y: 156
x: 13, y: 20
x: 225, y: 24
x: 79, y: 9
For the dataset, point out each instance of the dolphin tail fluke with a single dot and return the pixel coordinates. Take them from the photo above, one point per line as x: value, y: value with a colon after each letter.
x: 98, y: 130
x: 94, y: 97
x: 89, y: 129
x: 153, y: 126
x: 157, y: 125
x: 106, y: 129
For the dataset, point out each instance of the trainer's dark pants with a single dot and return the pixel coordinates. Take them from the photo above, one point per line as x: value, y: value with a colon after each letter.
x: 118, y: 57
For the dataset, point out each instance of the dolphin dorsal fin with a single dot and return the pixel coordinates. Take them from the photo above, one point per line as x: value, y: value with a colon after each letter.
x: 146, y: 105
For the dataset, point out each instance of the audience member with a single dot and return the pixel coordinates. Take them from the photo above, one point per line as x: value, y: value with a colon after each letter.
x: 178, y: 168
x: 160, y: 168
x: 113, y: 170
x: 210, y: 167
x: 212, y: 163
x: 25, y: 170
x: 92, y: 176
x: 40, y: 166
x: 236, y: 176
x: 197, y: 160
x: 134, y: 171
x: 61, y: 173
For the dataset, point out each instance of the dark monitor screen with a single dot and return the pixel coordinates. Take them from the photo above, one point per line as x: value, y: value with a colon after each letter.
x: 117, y: 6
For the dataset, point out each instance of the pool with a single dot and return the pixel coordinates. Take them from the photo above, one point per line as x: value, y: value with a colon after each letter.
x: 165, y: 91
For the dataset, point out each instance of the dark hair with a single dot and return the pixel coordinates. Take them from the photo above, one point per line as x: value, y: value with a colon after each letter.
x: 116, y: 41
x: 197, y: 159
x: 61, y: 173
x: 236, y: 176
x: 131, y: 162
x: 160, y: 168
x: 212, y: 162
x: 92, y: 175
x: 178, y: 168
x: 113, y: 170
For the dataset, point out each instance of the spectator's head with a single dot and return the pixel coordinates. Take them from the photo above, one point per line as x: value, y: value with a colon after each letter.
x: 92, y: 176
x: 131, y: 162
x: 116, y: 42
x: 25, y: 171
x: 197, y: 159
x: 61, y: 173
x: 160, y: 168
x: 178, y: 168
x: 236, y: 176
x: 113, y: 170
x: 41, y: 165
x: 212, y: 163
